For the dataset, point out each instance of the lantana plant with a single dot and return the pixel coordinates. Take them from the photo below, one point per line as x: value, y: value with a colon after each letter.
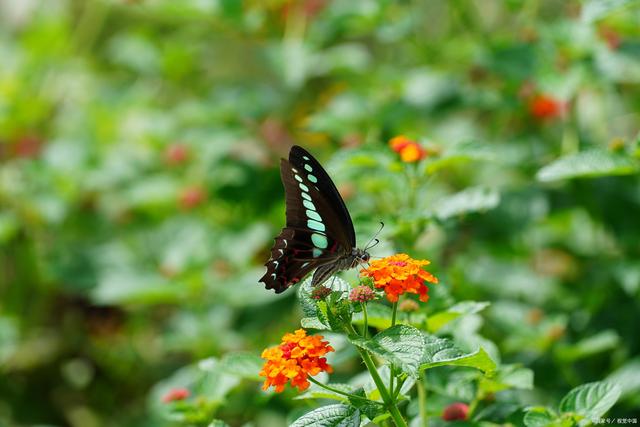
x: 394, y: 355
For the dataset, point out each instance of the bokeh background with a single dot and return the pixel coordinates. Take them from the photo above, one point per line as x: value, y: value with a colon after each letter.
x: 140, y: 192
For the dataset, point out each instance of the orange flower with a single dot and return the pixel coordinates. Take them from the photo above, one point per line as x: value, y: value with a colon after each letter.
x: 547, y: 107
x: 410, y: 151
x: 297, y: 357
x: 399, y: 274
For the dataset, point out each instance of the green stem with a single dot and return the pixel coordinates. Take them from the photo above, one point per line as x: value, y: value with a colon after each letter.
x: 422, y: 402
x: 392, y: 372
x: 389, y: 402
x: 366, y: 320
x: 472, y: 407
x: 335, y: 390
x: 398, y: 388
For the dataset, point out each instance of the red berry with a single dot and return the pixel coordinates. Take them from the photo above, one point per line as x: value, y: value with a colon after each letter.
x: 456, y: 411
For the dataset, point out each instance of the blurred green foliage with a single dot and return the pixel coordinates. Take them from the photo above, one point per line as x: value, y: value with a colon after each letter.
x: 139, y: 192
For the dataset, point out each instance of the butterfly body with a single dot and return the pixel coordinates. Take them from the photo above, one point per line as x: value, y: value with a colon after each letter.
x: 319, y: 233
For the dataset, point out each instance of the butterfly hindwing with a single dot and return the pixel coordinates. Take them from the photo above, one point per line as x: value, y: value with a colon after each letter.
x: 293, y: 256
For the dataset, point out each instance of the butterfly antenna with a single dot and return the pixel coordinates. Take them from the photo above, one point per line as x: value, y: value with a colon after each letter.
x: 373, y: 239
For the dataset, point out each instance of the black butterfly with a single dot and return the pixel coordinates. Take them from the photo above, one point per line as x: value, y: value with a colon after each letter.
x: 319, y: 233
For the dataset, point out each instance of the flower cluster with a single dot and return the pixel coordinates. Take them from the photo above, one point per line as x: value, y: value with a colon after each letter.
x: 362, y: 294
x: 410, y: 151
x: 296, y: 358
x: 399, y: 274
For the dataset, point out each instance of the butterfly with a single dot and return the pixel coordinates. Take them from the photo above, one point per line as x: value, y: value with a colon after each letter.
x: 319, y: 233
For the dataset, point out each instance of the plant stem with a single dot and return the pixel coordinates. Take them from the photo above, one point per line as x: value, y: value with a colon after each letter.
x: 388, y: 400
x: 335, y: 390
x: 366, y: 319
x: 391, y: 367
x: 398, y: 388
x: 422, y: 401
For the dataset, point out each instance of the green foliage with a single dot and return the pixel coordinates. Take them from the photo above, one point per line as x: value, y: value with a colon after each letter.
x: 400, y: 345
x: 330, y: 416
x: 586, y: 403
x: 140, y: 194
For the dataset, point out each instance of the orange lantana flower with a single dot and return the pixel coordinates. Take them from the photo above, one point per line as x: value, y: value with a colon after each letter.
x: 399, y: 274
x: 546, y: 107
x: 410, y: 151
x: 296, y: 358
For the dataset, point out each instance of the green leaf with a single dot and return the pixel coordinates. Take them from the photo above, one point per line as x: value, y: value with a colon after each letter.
x: 474, y: 199
x: 442, y: 351
x: 464, y: 152
x: 602, y: 341
x: 316, y: 312
x: 507, y: 377
x: 371, y: 409
x: 591, y: 400
x: 218, y: 423
x: 627, y: 377
x: 338, y: 415
x: 242, y: 364
x: 378, y: 316
x: 538, y: 417
x: 588, y: 164
x: 401, y: 345
x: 436, y: 321
x: 594, y: 10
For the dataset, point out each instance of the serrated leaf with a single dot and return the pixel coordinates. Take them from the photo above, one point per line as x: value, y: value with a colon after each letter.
x: 442, y: 351
x: 538, y: 417
x: 591, y: 400
x: 401, y: 345
x: 441, y: 318
x: 242, y: 364
x: 588, y: 164
x: 593, y: 10
x: 474, y: 199
x: 313, y: 318
x: 316, y: 311
x: 338, y: 415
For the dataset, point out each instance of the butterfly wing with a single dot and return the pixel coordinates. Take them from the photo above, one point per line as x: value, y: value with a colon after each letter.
x: 319, y: 230
x: 311, y: 169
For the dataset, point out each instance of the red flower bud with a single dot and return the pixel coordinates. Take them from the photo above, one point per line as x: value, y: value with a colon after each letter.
x: 456, y: 411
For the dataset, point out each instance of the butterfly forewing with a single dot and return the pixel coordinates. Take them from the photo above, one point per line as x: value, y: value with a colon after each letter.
x: 319, y: 230
x: 311, y: 169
